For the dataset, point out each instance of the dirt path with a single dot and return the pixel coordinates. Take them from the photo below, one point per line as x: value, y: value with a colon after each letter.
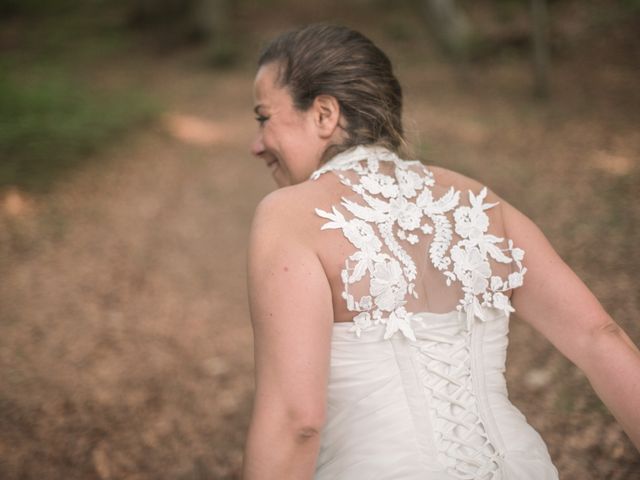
x: 125, y: 343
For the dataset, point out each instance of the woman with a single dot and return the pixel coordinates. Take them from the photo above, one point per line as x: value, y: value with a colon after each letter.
x: 380, y: 291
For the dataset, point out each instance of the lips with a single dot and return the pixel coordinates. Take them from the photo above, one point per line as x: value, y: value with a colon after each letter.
x: 271, y: 163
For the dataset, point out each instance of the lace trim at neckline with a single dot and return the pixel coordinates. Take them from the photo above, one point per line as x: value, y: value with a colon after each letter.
x: 355, y: 154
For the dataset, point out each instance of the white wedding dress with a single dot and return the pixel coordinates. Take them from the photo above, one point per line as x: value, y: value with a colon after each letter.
x: 416, y: 386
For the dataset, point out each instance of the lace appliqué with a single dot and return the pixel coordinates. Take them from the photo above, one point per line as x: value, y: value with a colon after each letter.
x: 394, y: 211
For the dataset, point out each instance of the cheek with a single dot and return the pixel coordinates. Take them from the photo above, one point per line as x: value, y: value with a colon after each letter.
x: 274, y: 134
x: 302, y: 136
x: 293, y: 141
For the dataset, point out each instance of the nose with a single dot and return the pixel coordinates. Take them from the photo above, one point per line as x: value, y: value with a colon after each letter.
x: 257, y: 147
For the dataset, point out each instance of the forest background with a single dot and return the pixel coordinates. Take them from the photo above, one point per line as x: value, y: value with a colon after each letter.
x: 127, y: 191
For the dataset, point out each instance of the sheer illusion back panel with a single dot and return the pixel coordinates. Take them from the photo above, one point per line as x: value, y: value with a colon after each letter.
x: 371, y: 261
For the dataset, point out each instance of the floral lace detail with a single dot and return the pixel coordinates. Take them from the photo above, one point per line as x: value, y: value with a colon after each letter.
x: 396, y: 209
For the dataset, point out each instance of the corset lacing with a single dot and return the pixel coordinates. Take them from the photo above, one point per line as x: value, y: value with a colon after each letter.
x: 460, y: 435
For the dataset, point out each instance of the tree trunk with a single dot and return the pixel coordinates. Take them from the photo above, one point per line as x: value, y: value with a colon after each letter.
x: 210, y: 18
x: 450, y: 26
x: 540, y: 43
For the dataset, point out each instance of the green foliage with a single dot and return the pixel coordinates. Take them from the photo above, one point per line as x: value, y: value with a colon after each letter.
x: 52, y: 124
x: 630, y: 4
x: 51, y: 121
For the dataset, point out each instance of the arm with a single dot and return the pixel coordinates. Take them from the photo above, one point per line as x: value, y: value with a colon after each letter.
x: 560, y: 306
x: 292, y: 317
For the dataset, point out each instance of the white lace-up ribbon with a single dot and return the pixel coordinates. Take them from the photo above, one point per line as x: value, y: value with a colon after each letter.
x: 461, y: 437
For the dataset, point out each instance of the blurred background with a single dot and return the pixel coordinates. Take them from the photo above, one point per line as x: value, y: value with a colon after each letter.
x: 127, y: 191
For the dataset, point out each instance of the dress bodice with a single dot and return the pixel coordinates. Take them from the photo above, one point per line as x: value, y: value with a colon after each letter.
x: 415, y: 394
x: 431, y: 408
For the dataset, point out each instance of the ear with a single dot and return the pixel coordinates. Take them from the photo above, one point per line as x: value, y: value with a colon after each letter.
x: 326, y: 115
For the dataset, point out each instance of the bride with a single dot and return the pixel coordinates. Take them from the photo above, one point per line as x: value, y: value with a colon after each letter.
x: 380, y: 291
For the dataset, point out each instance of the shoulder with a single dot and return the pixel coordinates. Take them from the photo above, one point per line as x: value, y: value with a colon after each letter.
x: 276, y: 206
x: 284, y: 217
x: 445, y: 178
x: 513, y: 219
x: 282, y: 206
x: 451, y: 178
x: 273, y: 218
x: 517, y: 225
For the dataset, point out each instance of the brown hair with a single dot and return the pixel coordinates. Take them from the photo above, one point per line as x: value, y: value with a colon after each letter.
x: 332, y: 60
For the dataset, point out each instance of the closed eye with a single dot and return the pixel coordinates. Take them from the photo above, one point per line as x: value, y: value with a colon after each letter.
x: 261, y: 119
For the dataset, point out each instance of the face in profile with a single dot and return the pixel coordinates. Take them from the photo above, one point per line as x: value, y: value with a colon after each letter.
x: 288, y: 140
